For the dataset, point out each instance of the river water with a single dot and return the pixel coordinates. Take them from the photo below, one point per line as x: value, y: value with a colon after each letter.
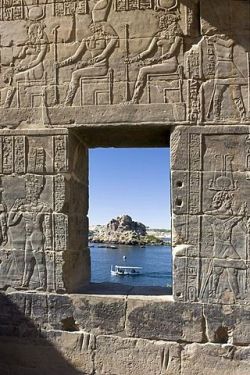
x: 155, y: 260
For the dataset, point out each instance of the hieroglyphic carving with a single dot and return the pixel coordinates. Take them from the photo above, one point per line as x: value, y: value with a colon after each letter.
x: 192, y: 270
x: 59, y: 192
x: 211, y: 59
x: 7, y: 155
x: 13, y: 156
x: 185, y: 79
x: 195, y: 173
x: 20, y: 154
x: 123, y: 5
x: 60, y: 225
x: 192, y: 267
x: 3, y: 219
x: 60, y: 153
x: 12, y: 10
x: 69, y: 7
x: 32, y: 198
x: 247, y: 161
x: 194, y: 71
x: 59, y: 262
x: 37, y: 160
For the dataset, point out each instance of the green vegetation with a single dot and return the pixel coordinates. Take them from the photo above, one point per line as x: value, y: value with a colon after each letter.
x: 152, y: 239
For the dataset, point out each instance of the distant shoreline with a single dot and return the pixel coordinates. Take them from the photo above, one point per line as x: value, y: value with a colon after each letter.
x: 116, y: 245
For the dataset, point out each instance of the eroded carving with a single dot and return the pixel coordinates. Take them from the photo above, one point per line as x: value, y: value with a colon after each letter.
x: 166, y: 43
x: 75, y: 52
x: 69, y: 7
x: 226, y: 259
x: 215, y: 261
x: 100, y: 43
x: 12, y: 10
x: 27, y: 67
x: 33, y: 211
x: 226, y: 76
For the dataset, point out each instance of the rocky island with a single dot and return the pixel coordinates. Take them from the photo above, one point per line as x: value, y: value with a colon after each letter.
x: 124, y: 231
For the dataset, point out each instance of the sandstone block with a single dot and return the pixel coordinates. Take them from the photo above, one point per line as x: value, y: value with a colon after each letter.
x: 170, y: 321
x: 116, y: 355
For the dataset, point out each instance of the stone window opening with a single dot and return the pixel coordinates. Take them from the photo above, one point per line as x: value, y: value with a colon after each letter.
x: 124, y: 236
x: 130, y: 137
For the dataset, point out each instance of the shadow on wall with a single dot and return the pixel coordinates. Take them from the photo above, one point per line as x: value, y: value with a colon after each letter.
x: 26, y: 350
x: 230, y: 17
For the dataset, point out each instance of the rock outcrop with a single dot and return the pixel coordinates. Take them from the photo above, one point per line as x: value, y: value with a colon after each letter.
x: 123, y: 230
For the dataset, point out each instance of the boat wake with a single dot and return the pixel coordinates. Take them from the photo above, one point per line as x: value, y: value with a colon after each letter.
x: 157, y: 275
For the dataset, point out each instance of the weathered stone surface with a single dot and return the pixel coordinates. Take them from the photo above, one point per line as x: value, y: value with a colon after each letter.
x: 79, y: 74
x: 43, y: 229
x: 161, y: 320
x: 99, y: 314
x: 211, y: 221
x: 86, y: 56
x: 59, y: 352
x: 115, y: 355
x: 215, y: 359
x: 227, y: 324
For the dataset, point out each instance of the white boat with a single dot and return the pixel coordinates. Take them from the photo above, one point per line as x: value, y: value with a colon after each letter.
x: 125, y: 270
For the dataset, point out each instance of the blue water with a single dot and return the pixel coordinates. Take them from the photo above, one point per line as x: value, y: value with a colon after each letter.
x: 155, y: 260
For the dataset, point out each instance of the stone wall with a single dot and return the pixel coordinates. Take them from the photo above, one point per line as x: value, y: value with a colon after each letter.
x: 76, y: 74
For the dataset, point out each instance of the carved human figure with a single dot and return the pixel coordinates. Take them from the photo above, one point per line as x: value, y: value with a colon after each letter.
x: 28, y: 65
x: 165, y: 46
x: 225, y: 68
x: 33, y: 213
x: 100, y: 44
x: 226, y: 259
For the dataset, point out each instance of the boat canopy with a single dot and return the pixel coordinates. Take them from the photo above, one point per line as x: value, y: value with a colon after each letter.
x: 129, y: 268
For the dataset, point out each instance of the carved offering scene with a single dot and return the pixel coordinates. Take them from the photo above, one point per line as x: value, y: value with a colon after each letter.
x: 212, y: 219
x: 37, y: 212
x: 96, y: 60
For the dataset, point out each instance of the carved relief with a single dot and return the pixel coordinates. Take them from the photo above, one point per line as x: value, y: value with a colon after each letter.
x: 213, y: 260
x: 3, y: 220
x: 69, y: 7
x: 59, y: 192
x: 125, y: 5
x: 76, y: 53
x: 20, y: 154
x: 227, y: 77
x: 100, y: 44
x: 7, y: 155
x: 27, y: 67
x: 60, y: 231
x: 165, y: 66
x: 60, y: 153
x: 32, y: 197
x: 12, y: 10
x: 36, y: 160
x: 226, y: 261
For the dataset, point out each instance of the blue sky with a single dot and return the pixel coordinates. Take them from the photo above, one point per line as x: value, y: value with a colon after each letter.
x: 134, y: 181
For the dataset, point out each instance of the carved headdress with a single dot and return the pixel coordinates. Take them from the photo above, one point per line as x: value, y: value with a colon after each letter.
x: 101, y: 10
x: 36, y: 13
x: 223, y: 179
x: 166, y: 4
